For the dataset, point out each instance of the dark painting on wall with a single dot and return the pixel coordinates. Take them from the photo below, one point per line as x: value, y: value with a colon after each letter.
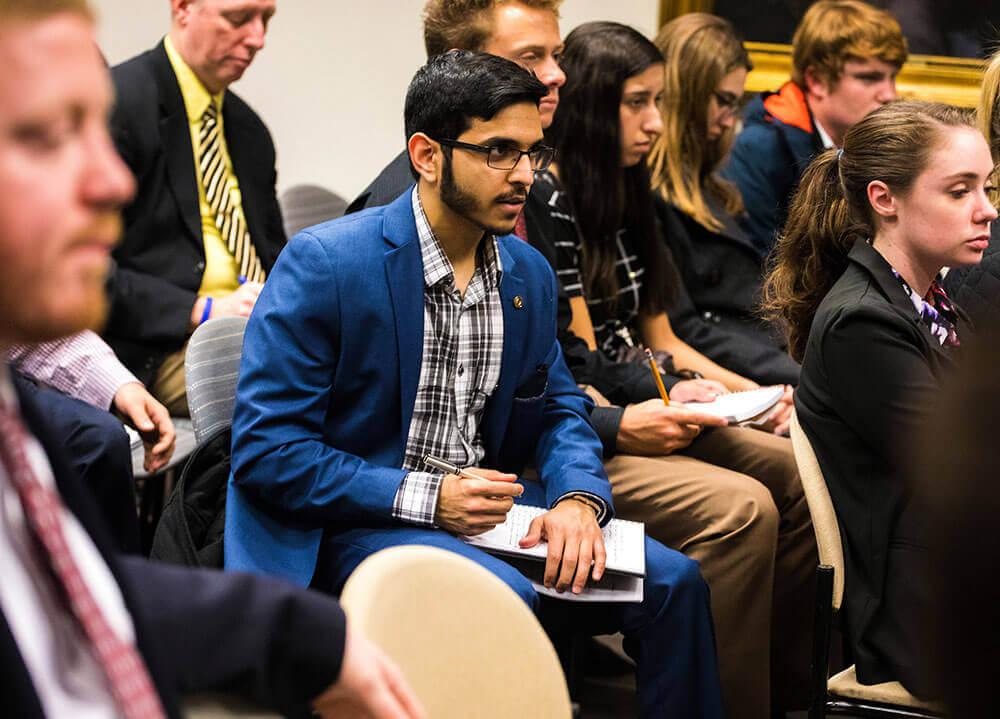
x: 956, y: 28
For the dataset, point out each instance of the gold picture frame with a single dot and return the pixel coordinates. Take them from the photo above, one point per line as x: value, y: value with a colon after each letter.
x: 954, y: 80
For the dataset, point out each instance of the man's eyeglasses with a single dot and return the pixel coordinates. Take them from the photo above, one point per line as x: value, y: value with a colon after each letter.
x: 728, y: 103
x: 506, y: 157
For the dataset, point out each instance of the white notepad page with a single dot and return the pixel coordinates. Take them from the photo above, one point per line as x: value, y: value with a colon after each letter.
x: 624, y: 541
x: 741, y: 406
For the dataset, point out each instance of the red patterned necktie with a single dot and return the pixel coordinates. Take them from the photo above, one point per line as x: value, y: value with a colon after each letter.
x: 125, y: 670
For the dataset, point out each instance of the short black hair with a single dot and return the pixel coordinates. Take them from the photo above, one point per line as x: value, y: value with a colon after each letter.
x: 453, y: 88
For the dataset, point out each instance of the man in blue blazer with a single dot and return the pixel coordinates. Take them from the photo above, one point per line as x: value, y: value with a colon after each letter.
x: 423, y: 328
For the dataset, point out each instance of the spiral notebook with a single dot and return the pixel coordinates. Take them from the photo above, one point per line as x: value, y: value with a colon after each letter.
x: 751, y: 406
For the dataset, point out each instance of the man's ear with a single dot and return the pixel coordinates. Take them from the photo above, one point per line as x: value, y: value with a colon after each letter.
x: 882, y: 199
x: 816, y: 84
x: 424, y: 153
x: 181, y: 10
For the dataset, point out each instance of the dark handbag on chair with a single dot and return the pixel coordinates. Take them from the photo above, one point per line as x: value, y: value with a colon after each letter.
x: 190, y: 530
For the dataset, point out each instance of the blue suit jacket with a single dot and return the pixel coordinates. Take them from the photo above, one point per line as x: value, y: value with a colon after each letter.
x: 328, y: 379
x: 767, y: 161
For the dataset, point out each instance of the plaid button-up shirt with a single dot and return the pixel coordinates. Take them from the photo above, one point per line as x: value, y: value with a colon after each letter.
x: 460, y: 368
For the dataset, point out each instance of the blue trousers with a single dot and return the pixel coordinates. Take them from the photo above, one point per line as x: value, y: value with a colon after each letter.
x: 669, y: 634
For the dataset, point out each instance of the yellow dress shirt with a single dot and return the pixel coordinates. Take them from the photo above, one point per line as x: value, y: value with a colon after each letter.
x: 221, y: 272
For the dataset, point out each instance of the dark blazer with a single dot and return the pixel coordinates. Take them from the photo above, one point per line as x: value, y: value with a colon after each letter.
x: 392, y: 182
x: 715, y: 311
x: 160, y: 261
x: 198, y: 630
x: 870, y: 374
x: 328, y: 380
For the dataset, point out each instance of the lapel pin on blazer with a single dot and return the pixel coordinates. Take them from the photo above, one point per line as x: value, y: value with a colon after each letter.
x: 518, y: 302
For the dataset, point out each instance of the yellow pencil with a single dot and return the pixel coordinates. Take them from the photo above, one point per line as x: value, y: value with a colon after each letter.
x: 656, y: 375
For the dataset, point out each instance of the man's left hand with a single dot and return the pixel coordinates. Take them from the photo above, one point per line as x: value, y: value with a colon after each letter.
x: 575, y: 542
x: 135, y: 406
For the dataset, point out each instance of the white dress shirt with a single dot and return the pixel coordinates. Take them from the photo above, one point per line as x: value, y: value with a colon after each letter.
x: 66, y: 675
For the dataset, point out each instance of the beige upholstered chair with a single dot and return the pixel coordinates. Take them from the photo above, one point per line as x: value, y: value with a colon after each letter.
x: 211, y: 706
x: 468, y: 645
x: 840, y: 694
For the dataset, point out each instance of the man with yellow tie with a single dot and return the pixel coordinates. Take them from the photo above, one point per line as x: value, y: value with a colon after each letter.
x: 204, y: 227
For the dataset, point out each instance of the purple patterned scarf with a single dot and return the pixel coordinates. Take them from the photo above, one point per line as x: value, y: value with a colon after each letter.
x: 935, y: 310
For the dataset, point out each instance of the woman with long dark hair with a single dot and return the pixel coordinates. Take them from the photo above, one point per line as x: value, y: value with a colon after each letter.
x: 856, y: 282
x: 706, y: 68
x: 616, y: 269
x: 605, y: 125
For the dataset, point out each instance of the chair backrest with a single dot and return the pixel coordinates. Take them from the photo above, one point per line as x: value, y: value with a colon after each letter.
x: 468, y: 645
x: 303, y: 206
x: 211, y: 368
x: 824, y: 517
x: 221, y: 706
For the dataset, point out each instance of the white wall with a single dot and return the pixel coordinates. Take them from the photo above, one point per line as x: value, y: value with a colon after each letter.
x: 330, y: 83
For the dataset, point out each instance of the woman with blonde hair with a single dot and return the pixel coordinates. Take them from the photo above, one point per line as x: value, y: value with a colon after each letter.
x: 856, y: 282
x: 977, y: 288
x: 705, y: 72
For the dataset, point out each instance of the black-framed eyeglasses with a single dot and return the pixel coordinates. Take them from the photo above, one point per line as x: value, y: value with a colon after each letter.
x: 728, y: 102
x: 506, y: 157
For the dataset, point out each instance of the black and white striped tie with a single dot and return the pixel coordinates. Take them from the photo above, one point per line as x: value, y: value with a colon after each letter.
x: 219, y: 191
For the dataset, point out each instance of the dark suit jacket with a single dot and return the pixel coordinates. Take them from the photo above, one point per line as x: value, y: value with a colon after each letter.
x: 721, y: 275
x: 329, y: 377
x: 160, y: 261
x: 392, y: 182
x: 870, y: 374
x: 198, y: 630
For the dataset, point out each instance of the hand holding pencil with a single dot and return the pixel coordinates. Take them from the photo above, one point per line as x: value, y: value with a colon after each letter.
x: 473, y: 500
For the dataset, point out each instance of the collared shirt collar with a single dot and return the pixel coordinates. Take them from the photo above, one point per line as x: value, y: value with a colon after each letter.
x: 437, y: 266
x: 823, y: 136
x: 196, y: 96
x: 935, y: 310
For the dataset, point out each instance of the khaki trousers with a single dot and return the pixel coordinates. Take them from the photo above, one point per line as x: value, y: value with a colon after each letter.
x: 169, y: 387
x: 733, y: 501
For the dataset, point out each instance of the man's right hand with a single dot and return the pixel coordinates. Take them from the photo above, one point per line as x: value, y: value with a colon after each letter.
x: 474, y: 506
x: 651, y: 428
x: 370, y: 686
x: 237, y: 304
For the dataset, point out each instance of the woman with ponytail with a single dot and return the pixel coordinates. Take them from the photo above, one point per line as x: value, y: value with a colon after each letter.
x: 855, y: 281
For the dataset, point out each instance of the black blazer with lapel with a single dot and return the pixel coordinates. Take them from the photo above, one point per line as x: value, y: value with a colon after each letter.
x: 198, y: 630
x: 160, y: 261
x: 715, y: 311
x: 869, y: 377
